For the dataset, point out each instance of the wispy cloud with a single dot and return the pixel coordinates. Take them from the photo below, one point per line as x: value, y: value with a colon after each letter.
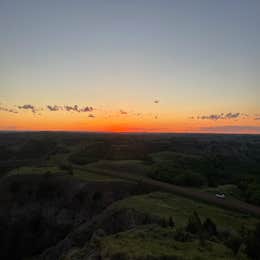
x: 91, y: 115
x: 122, y: 112
x: 86, y: 109
x: 68, y: 108
x: 222, y: 116
x: 76, y: 108
x: 10, y: 110
x: 232, y: 115
x: 28, y: 107
x: 54, y: 108
x: 257, y: 116
x: 244, y: 116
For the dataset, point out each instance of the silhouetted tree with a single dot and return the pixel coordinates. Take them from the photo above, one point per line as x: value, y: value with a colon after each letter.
x: 210, y: 227
x: 164, y: 223
x: 171, y: 223
x: 194, y: 225
x: 182, y: 236
x: 70, y: 171
x: 147, y: 219
x: 15, y: 187
x: 234, y: 242
x: 97, y: 196
x: 253, y: 243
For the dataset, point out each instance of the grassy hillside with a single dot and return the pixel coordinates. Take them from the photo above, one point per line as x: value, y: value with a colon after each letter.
x: 152, y: 242
x: 80, y: 174
x: 167, y: 205
x: 136, y: 167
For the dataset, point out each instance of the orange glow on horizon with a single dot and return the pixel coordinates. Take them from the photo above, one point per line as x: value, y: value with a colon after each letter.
x: 119, y: 123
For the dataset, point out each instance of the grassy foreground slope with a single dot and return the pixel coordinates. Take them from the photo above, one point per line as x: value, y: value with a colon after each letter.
x: 152, y: 242
x: 165, y: 243
x: 149, y: 240
x: 167, y: 205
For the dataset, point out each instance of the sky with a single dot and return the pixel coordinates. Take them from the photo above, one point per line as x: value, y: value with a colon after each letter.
x: 130, y: 65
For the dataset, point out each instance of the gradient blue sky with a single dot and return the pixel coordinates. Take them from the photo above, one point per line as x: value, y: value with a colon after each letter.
x: 197, y: 57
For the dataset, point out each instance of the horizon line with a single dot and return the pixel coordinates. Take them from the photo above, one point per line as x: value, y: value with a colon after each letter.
x: 122, y: 132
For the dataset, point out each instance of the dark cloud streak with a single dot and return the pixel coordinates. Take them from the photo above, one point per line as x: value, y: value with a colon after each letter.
x: 28, y: 107
x: 54, y: 108
x: 10, y: 110
x: 68, y: 108
x: 86, y: 109
x: 122, y: 112
x: 221, y: 116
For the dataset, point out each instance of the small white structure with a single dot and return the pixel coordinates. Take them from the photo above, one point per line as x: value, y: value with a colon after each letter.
x: 220, y: 196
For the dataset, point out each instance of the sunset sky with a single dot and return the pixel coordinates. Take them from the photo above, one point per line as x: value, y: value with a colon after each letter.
x: 130, y: 66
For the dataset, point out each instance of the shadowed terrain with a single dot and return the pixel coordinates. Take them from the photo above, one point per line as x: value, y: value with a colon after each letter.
x: 128, y: 196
